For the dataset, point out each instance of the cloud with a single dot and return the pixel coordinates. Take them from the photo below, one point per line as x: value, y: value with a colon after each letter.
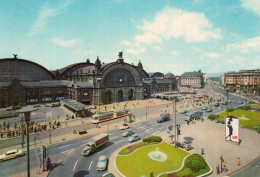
x: 158, y: 48
x: 44, y: 14
x: 136, y: 51
x: 147, y: 38
x: 247, y: 46
x: 177, y: 23
x: 66, y: 43
x: 212, y: 55
x: 253, y: 5
x: 196, y: 49
x: 174, y: 52
x: 126, y: 43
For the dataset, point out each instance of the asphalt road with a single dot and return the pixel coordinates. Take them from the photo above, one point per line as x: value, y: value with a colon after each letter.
x: 67, y: 155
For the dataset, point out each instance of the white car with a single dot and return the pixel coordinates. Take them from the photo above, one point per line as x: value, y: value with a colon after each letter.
x: 102, y: 163
x: 11, y: 154
x: 123, y: 127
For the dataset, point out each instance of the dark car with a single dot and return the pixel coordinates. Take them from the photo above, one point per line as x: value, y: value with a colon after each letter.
x: 216, y: 104
x: 209, y: 110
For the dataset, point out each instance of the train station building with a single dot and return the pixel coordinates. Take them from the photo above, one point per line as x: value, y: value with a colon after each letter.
x: 24, y: 82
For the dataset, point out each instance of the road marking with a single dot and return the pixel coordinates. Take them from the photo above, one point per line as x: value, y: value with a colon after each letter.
x: 68, y: 151
x: 118, y: 141
x: 59, y: 161
x: 90, y: 165
x: 82, y: 145
x: 155, y: 132
x: 113, y: 137
x: 75, y: 165
x: 84, y: 140
x: 65, y: 146
x: 148, y: 129
x: 140, y: 127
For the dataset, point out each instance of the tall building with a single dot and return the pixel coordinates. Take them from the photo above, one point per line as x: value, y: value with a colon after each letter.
x: 246, y: 81
x: 193, y: 79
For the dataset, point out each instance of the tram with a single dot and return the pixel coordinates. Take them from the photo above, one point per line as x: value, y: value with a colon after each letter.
x: 109, y: 116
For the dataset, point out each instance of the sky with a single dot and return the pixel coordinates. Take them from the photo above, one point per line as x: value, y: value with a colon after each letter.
x: 174, y: 36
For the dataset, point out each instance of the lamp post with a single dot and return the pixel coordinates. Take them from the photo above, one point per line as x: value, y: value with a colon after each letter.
x: 227, y: 90
x: 174, y: 110
x: 27, y: 115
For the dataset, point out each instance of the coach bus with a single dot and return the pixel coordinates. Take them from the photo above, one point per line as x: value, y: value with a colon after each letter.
x: 109, y: 116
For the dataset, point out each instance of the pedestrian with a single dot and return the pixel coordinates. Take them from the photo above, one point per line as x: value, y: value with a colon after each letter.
x: 238, y: 161
x: 74, y: 132
x: 202, y: 150
x: 225, y: 167
x: 97, y: 125
x: 217, y: 168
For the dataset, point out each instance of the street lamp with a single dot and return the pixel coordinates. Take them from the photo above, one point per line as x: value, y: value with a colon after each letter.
x: 27, y: 115
x: 174, y: 105
x: 227, y: 90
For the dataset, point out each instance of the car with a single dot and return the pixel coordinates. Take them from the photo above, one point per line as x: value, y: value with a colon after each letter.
x: 128, y: 133
x: 204, y: 108
x: 11, y: 154
x: 163, y: 118
x: 123, y: 127
x: 102, y: 163
x: 241, y: 102
x: 216, y: 104
x: 47, y: 105
x: 209, y: 110
x: 108, y: 175
x: 133, y: 138
x: 184, y: 111
x: 81, y: 132
x: 224, y: 103
x: 36, y: 106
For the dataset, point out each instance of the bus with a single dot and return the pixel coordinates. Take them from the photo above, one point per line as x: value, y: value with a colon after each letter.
x: 195, y: 115
x: 109, y: 116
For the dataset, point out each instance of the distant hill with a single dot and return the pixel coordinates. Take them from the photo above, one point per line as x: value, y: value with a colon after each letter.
x: 214, y: 74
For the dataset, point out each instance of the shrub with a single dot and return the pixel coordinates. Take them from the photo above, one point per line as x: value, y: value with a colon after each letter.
x: 184, y: 172
x: 212, y: 116
x: 230, y: 110
x: 251, y: 102
x: 243, y: 107
x: 151, y: 139
x: 195, y: 162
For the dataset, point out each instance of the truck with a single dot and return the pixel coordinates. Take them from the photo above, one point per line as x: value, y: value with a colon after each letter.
x: 163, y: 117
x: 195, y: 115
x: 95, y: 143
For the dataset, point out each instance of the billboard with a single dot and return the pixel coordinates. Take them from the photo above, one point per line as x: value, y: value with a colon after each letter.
x: 232, y: 129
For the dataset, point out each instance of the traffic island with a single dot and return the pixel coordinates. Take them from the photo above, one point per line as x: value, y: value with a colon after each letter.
x: 158, y: 160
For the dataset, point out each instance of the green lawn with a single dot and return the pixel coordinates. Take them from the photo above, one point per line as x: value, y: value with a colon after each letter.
x: 255, y: 105
x: 138, y: 163
x: 253, y: 116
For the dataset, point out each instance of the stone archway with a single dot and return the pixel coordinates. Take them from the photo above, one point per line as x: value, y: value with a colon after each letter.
x: 119, y: 95
x: 130, y: 94
x: 107, y: 97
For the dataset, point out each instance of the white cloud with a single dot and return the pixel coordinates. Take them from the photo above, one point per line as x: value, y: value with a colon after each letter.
x: 246, y: 46
x: 174, y: 52
x: 177, y: 23
x: 66, y: 43
x: 44, y: 14
x: 147, y: 38
x: 136, y: 51
x: 158, y: 48
x: 212, y: 55
x: 196, y: 49
x: 126, y: 43
x: 253, y: 5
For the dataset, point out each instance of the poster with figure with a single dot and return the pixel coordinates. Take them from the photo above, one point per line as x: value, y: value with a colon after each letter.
x: 232, y: 129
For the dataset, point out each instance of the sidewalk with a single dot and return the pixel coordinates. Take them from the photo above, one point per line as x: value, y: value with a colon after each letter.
x: 210, y: 135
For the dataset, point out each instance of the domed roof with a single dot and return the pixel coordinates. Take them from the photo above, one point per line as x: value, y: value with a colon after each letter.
x: 169, y: 75
x: 23, y: 70
x: 85, y: 70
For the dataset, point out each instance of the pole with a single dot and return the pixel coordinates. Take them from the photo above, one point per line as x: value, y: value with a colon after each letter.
x: 22, y: 133
x: 227, y: 103
x: 28, y: 156
x: 175, y: 121
x: 146, y: 113
x: 50, y: 135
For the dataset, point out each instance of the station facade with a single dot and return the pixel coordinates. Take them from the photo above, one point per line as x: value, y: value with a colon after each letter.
x: 24, y: 82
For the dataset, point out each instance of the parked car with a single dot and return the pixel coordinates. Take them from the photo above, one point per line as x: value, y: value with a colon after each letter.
x: 204, y: 108
x: 183, y: 111
x: 133, y: 138
x: 11, y: 154
x: 47, y: 105
x: 81, y: 132
x: 128, y: 133
x: 36, y: 106
x: 216, y: 104
x: 102, y: 163
x: 123, y: 127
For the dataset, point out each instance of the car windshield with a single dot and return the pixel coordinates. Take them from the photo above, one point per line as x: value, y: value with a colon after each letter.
x: 102, y: 160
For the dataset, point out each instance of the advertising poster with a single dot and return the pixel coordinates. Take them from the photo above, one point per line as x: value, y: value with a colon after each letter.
x: 232, y: 129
